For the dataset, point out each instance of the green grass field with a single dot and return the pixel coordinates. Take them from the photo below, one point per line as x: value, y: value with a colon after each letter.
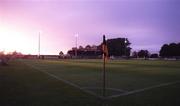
x: 79, y: 83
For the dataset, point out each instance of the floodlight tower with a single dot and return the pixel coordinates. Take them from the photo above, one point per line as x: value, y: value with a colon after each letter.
x: 125, y: 45
x: 39, y: 44
x: 76, y: 36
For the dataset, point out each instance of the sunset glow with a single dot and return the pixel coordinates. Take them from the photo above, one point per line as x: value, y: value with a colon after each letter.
x: 13, y: 40
x: 147, y: 24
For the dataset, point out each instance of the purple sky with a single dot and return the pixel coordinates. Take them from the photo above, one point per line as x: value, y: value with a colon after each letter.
x: 148, y: 24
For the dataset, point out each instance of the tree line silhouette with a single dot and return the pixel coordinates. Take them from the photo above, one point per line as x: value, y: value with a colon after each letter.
x: 170, y: 50
x: 121, y: 47
x: 116, y: 47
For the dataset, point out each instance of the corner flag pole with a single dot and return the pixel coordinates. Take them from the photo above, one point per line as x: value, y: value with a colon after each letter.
x: 104, y: 70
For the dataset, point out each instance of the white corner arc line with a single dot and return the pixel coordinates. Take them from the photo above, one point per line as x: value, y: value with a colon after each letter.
x: 113, y: 89
x: 65, y: 81
x: 143, y: 89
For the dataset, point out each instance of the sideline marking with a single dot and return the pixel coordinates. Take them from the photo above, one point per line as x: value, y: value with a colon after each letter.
x: 99, y: 96
x: 143, y: 89
x: 65, y: 81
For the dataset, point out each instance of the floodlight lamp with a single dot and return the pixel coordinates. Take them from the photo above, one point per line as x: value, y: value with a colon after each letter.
x: 125, y: 41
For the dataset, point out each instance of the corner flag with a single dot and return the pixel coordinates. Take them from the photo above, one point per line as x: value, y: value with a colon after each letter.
x: 105, y: 48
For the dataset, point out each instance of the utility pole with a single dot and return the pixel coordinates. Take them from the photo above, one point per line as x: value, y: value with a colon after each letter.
x: 39, y: 45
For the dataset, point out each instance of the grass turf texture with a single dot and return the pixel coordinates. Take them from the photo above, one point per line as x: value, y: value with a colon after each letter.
x: 24, y: 85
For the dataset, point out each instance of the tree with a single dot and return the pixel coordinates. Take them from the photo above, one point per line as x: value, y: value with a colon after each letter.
x: 135, y: 54
x: 61, y: 53
x: 71, y: 52
x: 170, y: 50
x: 118, y: 47
x: 164, y: 52
x: 143, y: 54
x: 173, y: 49
x: 16, y: 54
x: 88, y: 47
x: 81, y: 48
x: 178, y: 45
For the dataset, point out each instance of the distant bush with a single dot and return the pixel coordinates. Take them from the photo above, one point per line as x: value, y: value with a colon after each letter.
x: 154, y: 56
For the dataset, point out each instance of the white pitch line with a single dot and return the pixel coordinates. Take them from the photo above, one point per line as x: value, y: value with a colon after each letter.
x: 113, y: 89
x: 101, y: 97
x: 65, y: 81
x: 144, y: 89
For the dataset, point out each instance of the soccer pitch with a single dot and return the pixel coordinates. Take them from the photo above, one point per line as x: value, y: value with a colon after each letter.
x: 128, y: 81
x: 122, y: 77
